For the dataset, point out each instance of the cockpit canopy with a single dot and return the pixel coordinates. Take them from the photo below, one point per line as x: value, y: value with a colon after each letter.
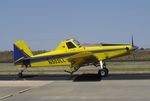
x: 69, y: 44
x: 72, y: 43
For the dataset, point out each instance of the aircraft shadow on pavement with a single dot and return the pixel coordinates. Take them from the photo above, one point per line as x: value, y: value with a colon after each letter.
x: 94, y: 77
x: 78, y: 78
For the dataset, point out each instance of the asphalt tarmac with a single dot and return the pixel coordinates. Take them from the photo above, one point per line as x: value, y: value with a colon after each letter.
x: 78, y: 77
x: 86, y: 87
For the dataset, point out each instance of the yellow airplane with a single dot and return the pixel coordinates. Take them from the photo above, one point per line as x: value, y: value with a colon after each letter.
x: 70, y: 53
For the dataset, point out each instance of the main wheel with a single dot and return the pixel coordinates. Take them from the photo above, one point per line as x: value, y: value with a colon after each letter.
x: 107, y: 70
x: 103, y: 72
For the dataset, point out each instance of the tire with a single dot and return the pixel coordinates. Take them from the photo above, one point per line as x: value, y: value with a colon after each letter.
x: 99, y: 74
x: 103, y: 72
x: 107, y: 70
x: 20, y: 75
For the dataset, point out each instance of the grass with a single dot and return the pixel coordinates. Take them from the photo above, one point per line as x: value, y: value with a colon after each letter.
x: 114, y: 67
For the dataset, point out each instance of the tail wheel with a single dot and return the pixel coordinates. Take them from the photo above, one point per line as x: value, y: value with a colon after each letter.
x: 103, y: 72
x: 20, y: 75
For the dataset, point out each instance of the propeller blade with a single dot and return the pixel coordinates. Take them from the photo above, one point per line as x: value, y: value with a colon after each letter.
x: 132, y: 41
x: 133, y: 46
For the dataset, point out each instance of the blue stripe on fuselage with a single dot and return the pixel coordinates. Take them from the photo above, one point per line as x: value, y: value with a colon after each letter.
x: 48, y: 57
x: 51, y: 57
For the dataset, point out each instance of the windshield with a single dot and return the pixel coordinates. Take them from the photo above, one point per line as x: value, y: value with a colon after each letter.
x: 77, y: 42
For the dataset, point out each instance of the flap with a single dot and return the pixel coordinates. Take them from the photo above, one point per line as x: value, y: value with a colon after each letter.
x: 81, y: 59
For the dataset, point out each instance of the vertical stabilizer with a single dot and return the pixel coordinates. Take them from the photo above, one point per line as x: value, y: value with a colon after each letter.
x: 21, y: 50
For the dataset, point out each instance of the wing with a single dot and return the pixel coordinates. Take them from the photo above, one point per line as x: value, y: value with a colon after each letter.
x: 81, y: 59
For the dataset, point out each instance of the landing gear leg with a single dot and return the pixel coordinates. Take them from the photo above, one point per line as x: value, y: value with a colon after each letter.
x: 20, y: 74
x: 70, y: 71
x: 103, y: 72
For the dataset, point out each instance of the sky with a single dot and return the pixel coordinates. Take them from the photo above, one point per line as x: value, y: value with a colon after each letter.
x: 43, y: 24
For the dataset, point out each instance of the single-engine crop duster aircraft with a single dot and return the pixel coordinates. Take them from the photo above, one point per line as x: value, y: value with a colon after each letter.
x: 70, y: 53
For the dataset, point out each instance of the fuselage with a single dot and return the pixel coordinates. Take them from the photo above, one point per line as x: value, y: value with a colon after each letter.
x: 60, y: 57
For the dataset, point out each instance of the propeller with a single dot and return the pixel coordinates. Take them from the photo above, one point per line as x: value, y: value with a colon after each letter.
x: 133, y: 47
x: 132, y: 41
